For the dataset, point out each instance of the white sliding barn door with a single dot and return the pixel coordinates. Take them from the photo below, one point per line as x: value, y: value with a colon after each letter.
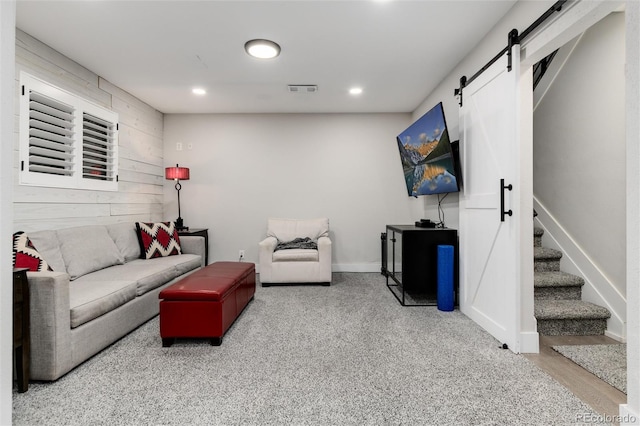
x: 490, y: 270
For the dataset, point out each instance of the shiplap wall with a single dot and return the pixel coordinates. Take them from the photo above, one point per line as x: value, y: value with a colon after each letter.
x: 141, y: 175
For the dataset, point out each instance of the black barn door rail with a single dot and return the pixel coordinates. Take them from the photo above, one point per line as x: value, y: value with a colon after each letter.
x: 513, y: 39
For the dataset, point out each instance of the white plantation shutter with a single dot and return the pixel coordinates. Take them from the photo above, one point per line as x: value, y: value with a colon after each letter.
x: 50, y: 136
x: 97, y: 148
x: 66, y: 141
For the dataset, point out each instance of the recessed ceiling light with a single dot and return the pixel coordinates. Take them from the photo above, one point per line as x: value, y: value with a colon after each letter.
x: 199, y: 91
x: 355, y: 90
x: 262, y: 49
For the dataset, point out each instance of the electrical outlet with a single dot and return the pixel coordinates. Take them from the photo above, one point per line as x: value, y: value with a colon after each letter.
x: 179, y: 146
x: 241, y: 255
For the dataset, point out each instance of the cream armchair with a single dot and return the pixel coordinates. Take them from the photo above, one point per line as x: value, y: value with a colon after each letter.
x: 297, y: 265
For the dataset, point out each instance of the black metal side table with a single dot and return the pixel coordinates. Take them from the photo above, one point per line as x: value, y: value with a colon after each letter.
x: 21, y: 329
x: 410, y: 254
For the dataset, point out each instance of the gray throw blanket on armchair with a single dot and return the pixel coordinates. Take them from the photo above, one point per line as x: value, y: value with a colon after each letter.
x: 298, y: 243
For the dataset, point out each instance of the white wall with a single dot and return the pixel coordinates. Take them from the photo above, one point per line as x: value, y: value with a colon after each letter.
x: 246, y: 168
x: 632, y: 12
x: 140, y: 189
x: 7, y: 61
x: 579, y: 151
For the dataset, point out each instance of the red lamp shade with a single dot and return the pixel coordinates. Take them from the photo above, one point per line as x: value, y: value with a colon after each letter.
x: 176, y: 173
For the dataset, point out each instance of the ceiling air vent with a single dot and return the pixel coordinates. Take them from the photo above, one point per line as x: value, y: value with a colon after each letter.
x: 302, y: 88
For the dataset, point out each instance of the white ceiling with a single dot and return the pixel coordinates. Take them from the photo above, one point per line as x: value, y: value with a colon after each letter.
x: 397, y: 51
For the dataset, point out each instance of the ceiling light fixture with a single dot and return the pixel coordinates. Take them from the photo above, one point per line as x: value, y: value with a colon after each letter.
x: 262, y: 49
x: 355, y: 91
x: 199, y: 91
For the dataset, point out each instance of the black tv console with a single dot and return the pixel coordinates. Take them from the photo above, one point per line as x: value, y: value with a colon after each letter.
x: 409, y: 262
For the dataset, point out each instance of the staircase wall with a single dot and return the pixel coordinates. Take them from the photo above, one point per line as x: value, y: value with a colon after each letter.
x: 579, y: 161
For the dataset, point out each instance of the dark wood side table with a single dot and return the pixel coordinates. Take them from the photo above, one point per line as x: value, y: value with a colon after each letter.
x: 21, y: 331
x: 199, y: 232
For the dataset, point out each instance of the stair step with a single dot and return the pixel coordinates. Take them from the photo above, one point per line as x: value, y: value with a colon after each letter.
x: 546, y: 253
x: 572, y: 309
x: 570, y: 317
x: 546, y: 259
x: 537, y: 236
x: 557, y: 285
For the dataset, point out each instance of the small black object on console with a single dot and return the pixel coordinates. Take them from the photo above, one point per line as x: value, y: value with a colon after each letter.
x: 425, y: 223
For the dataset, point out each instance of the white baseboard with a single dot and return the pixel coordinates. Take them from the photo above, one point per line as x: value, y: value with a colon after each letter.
x: 597, y: 287
x: 614, y: 336
x: 529, y: 342
x: 356, y: 267
x: 348, y: 267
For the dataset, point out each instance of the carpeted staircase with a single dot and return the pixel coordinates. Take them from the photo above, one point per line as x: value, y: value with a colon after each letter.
x: 559, y: 309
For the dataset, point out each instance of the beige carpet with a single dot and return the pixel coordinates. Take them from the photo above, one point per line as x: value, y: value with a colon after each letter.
x: 608, y: 362
x: 348, y: 354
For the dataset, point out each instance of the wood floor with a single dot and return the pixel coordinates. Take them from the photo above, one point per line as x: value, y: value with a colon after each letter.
x: 602, y: 397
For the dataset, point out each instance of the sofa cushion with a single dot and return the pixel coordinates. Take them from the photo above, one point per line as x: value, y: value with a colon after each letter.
x: 147, y: 273
x: 87, y: 249
x: 290, y: 229
x: 293, y: 255
x: 125, y: 236
x: 184, y: 263
x: 25, y: 254
x: 49, y: 248
x: 89, y: 300
x: 158, y: 239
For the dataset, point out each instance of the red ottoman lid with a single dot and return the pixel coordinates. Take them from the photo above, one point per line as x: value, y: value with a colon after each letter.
x: 195, y: 287
x: 226, y: 267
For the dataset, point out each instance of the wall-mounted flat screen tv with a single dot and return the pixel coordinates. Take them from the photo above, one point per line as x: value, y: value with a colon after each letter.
x: 427, y: 159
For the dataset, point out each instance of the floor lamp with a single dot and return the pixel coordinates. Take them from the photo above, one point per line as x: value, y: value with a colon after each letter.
x: 177, y: 173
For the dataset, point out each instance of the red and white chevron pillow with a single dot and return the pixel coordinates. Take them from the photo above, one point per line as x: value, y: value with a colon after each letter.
x: 25, y: 254
x: 158, y: 239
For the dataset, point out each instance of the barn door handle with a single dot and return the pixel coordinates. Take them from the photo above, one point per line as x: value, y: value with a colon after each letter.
x: 504, y: 213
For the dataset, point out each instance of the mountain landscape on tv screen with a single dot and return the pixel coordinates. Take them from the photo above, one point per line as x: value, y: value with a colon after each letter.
x: 425, y: 152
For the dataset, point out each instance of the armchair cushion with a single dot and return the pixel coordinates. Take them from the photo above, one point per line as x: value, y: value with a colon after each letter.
x: 296, y: 255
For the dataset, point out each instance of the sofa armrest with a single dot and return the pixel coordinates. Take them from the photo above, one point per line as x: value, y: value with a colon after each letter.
x: 50, y: 318
x: 267, y: 246
x: 324, y: 248
x: 265, y: 256
x: 193, y: 244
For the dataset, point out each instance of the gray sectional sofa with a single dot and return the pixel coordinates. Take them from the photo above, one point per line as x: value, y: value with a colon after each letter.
x: 99, y: 291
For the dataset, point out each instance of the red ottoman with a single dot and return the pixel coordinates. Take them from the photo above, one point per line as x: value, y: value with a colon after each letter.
x: 206, y: 303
